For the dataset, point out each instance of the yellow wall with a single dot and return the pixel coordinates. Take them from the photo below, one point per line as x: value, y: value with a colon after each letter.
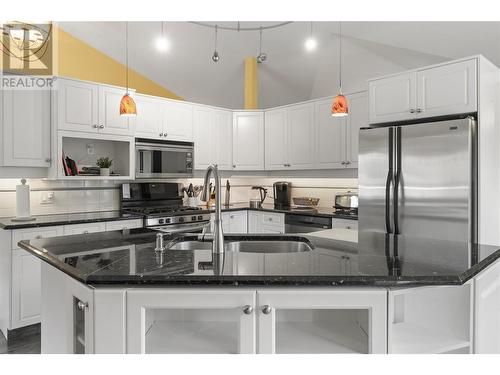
x: 77, y: 59
x: 251, y: 90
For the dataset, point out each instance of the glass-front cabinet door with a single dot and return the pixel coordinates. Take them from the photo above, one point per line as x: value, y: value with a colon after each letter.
x: 191, y: 321
x: 344, y: 320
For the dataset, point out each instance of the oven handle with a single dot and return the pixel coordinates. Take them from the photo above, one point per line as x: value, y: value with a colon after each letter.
x: 180, y: 228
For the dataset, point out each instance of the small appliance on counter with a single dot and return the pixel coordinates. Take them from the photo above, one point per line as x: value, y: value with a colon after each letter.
x: 257, y: 198
x: 282, y: 194
x: 346, y: 203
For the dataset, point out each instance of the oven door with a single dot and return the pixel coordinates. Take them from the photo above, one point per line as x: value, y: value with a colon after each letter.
x: 160, y: 160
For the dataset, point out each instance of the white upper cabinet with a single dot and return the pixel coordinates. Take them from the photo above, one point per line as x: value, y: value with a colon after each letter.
x: 447, y: 89
x: 393, y: 98
x: 248, y: 140
x: 290, y: 137
x: 177, y: 121
x: 224, y: 134
x: 204, y: 138
x: 26, y: 128
x: 276, y: 135
x: 110, y: 121
x: 338, y: 137
x: 300, y: 136
x: 435, y: 91
x: 330, y: 139
x: 149, y: 117
x: 77, y: 104
x: 358, y: 118
x: 213, y: 129
x: 89, y: 107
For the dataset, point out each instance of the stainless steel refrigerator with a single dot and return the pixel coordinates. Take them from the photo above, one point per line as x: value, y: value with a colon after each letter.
x: 419, y: 180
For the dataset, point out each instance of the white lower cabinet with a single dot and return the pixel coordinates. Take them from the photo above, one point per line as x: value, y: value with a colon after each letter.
x: 214, y: 321
x: 347, y: 320
x: 431, y: 320
x: 266, y: 222
x: 84, y: 228
x: 344, y: 224
x: 26, y: 290
x: 234, y: 222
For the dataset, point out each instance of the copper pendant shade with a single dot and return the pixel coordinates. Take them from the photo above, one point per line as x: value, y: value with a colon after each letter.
x: 340, y: 106
x: 127, y: 104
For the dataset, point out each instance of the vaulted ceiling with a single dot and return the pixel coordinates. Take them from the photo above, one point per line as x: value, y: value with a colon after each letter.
x: 291, y: 74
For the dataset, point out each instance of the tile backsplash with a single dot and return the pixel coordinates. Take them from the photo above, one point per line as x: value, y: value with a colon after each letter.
x: 69, y: 196
x: 85, y: 196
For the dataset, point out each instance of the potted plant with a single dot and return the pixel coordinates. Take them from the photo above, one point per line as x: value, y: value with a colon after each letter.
x: 104, y: 164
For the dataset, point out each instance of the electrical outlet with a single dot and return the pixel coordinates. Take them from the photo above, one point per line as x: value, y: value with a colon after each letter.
x: 90, y: 149
x: 48, y: 198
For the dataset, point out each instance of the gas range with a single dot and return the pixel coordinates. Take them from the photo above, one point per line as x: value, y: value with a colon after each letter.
x: 161, y: 206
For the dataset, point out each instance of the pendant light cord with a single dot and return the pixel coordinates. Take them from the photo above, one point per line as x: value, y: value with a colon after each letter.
x: 260, y: 41
x: 340, y: 56
x: 216, y: 29
x: 126, y: 53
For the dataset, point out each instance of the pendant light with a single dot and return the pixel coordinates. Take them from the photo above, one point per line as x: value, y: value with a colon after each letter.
x: 339, y: 105
x: 311, y: 42
x: 127, y: 104
x: 262, y: 57
x: 215, y: 56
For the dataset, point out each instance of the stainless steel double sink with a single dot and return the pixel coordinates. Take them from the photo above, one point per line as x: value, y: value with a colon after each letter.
x: 262, y: 245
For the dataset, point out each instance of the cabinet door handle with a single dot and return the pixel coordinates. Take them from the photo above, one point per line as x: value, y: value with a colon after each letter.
x: 165, y: 134
x: 86, y: 232
x: 412, y: 110
x: 161, y: 134
x: 266, y: 309
x: 38, y: 236
x: 234, y: 165
x: 96, y: 126
x: 82, y: 305
x: 419, y: 110
x: 247, y: 309
x: 48, y: 160
x: 347, y: 162
x: 343, y: 163
x: 101, y: 126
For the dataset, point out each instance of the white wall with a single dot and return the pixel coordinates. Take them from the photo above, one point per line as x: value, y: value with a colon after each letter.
x: 362, y: 60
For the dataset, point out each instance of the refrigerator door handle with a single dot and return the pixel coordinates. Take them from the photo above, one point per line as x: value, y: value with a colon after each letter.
x: 397, y: 181
x: 388, y: 184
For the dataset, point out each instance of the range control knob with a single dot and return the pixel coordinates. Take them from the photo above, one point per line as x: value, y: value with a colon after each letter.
x: 181, y: 220
x: 193, y: 218
x: 167, y: 221
x: 161, y: 221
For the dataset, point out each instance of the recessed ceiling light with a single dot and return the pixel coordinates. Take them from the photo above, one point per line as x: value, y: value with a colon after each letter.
x: 310, y: 44
x: 162, y: 44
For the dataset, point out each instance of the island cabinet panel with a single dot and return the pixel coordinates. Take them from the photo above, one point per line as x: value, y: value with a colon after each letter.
x: 190, y: 321
x: 430, y: 320
x: 67, y: 314
x: 487, y: 311
x: 338, y: 320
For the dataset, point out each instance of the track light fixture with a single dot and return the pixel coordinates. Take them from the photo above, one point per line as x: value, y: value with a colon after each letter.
x: 215, y: 56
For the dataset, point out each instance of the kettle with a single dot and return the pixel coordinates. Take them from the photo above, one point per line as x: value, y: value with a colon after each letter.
x: 257, y: 199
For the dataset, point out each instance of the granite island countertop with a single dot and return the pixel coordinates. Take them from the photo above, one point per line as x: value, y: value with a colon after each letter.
x: 128, y: 257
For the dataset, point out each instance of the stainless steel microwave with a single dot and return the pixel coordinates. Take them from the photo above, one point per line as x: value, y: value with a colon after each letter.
x: 163, y: 159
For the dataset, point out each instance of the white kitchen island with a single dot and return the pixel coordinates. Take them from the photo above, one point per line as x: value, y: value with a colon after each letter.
x: 106, y: 293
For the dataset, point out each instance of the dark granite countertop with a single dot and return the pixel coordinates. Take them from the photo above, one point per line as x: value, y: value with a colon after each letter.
x: 317, y: 211
x: 128, y: 257
x: 64, y: 219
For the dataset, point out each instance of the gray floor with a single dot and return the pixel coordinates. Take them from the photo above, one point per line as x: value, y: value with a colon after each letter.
x: 22, y: 341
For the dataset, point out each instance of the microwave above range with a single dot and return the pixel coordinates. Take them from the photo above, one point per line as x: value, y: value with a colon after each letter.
x: 163, y: 159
